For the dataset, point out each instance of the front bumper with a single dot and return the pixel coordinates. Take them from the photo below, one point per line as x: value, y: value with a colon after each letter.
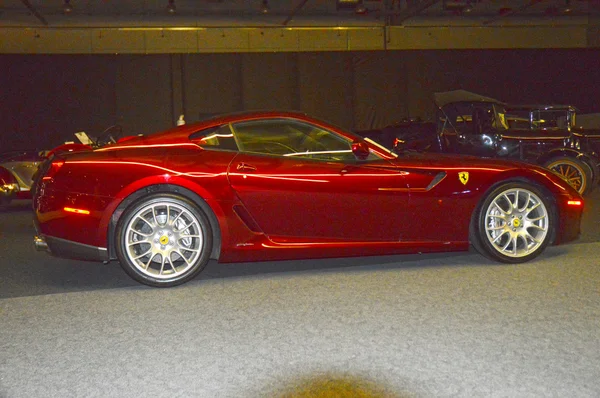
x: 569, y: 222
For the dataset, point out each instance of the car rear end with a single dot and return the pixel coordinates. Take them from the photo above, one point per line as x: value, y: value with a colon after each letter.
x: 66, y: 220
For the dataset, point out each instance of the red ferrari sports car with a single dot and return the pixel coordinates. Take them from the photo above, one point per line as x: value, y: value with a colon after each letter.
x: 281, y: 185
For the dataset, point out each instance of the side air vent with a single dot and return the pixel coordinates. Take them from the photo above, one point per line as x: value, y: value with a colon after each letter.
x: 246, y: 218
x: 438, y: 178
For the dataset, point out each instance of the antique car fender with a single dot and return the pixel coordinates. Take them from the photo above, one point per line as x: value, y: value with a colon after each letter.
x: 9, y: 187
x: 575, y: 154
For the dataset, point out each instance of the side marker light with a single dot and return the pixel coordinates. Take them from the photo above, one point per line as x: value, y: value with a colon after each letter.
x: 77, y: 211
x: 574, y: 202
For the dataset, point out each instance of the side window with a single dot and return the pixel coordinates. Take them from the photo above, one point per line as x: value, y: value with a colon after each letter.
x: 551, y: 119
x: 219, y: 138
x: 459, y: 115
x: 292, y: 138
x: 518, y: 119
x: 471, y: 118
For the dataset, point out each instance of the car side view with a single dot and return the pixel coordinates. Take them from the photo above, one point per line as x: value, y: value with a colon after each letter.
x: 276, y: 185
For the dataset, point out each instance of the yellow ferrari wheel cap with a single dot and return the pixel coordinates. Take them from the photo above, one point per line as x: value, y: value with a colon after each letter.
x: 164, y: 240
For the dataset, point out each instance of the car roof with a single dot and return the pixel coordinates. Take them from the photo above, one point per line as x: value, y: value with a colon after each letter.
x: 448, y: 97
x: 181, y: 134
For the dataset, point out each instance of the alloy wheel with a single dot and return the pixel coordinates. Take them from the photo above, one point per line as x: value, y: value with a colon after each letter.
x: 516, y: 222
x: 163, y: 240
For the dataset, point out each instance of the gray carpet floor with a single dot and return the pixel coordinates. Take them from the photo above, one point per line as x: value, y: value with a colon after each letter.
x: 400, y: 326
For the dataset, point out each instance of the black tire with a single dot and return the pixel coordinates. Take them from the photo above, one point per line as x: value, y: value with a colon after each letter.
x: 594, y: 176
x: 513, y: 234
x: 163, y: 240
x: 576, y: 172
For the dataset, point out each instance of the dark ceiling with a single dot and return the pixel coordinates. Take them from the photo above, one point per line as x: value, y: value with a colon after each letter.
x: 172, y: 13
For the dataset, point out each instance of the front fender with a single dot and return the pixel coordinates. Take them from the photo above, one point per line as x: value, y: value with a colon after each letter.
x: 543, y: 177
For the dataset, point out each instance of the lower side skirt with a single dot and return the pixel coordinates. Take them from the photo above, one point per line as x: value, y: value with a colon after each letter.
x: 69, y: 249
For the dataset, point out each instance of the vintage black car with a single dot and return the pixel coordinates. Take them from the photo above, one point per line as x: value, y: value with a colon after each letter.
x: 471, y: 124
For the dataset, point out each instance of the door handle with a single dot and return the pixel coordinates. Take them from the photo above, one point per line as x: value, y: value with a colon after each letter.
x: 245, y: 167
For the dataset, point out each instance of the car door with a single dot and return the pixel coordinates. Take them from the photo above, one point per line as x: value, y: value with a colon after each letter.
x: 298, y: 180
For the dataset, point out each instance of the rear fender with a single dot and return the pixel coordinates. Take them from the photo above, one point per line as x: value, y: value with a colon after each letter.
x: 155, y: 184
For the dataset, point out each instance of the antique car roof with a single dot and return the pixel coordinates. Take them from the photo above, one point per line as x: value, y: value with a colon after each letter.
x: 542, y: 106
x: 448, y: 97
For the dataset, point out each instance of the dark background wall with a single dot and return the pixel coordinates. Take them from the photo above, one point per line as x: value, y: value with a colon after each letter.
x: 47, y: 98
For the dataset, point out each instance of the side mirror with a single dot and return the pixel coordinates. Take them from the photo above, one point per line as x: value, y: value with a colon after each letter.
x: 360, y: 149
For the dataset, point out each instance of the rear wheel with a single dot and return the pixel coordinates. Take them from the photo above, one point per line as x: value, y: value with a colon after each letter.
x: 577, y: 173
x: 513, y: 224
x: 163, y: 240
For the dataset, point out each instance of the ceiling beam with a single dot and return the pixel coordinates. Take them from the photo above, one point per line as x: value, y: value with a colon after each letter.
x: 35, y: 12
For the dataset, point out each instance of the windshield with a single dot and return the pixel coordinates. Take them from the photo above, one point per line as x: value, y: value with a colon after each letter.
x: 473, y: 117
x: 379, y: 146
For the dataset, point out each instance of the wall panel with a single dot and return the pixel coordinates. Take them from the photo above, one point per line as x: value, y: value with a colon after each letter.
x: 212, y: 84
x: 46, y: 98
x: 326, y: 86
x: 270, y: 81
x: 380, y: 89
x: 143, y: 93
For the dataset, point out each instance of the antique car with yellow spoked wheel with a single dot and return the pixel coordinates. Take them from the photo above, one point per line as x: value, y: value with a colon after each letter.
x: 471, y: 124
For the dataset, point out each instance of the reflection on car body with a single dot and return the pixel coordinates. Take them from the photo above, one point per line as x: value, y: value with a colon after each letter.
x: 283, y: 185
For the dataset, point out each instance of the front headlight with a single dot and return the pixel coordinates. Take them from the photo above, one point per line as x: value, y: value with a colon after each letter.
x: 573, y: 142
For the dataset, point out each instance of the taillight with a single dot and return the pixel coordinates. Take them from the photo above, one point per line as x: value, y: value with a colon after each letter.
x: 55, y: 165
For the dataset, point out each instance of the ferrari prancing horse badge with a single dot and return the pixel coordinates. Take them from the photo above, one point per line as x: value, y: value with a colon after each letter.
x: 463, y: 176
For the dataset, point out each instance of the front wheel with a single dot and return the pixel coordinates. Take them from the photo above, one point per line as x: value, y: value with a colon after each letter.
x: 513, y: 224
x: 163, y: 240
x: 575, y: 172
